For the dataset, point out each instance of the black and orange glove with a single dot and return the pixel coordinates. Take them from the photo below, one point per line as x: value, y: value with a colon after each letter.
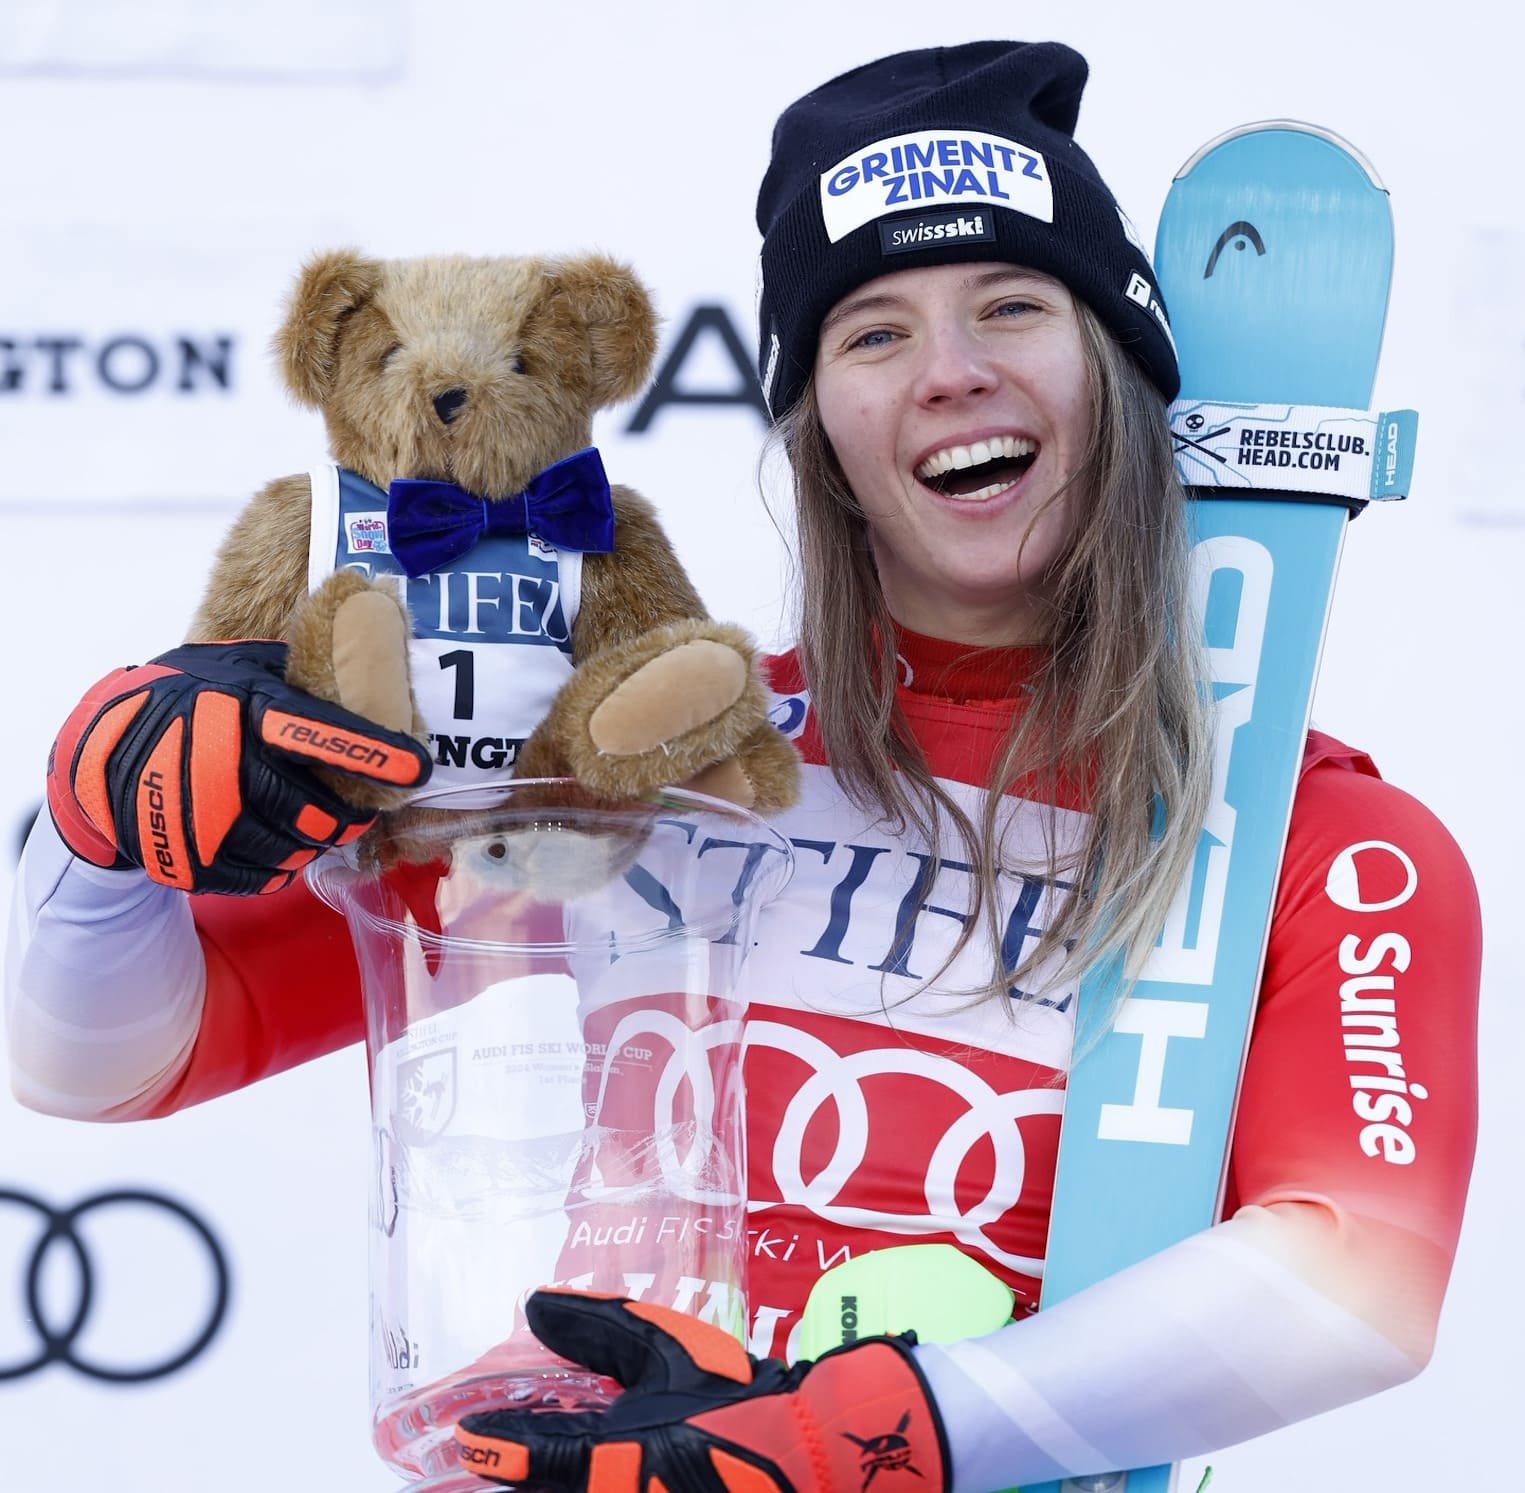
x: 197, y: 766
x: 700, y: 1415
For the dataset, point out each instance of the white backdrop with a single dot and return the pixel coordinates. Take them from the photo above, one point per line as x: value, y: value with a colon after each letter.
x: 161, y: 182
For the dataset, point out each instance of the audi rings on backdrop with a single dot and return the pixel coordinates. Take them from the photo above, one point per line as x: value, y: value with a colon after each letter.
x: 57, y: 1342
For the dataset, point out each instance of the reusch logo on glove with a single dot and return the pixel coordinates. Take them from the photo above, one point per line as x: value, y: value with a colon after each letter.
x: 161, y: 813
x: 158, y: 826
x: 478, y: 1456
x: 310, y: 739
x: 888, y: 1453
x: 294, y: 732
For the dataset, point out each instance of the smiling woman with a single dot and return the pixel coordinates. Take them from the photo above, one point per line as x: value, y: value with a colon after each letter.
x: 957, y: 400
x: 998, y: 698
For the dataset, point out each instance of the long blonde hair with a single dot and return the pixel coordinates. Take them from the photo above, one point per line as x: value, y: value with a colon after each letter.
x: 1116, y: 702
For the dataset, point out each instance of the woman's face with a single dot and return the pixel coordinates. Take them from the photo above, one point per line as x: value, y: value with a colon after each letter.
x: 957, y: 401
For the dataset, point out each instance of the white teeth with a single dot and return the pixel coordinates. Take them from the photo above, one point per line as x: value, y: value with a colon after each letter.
x: 980, y: 494
x: 955, y: 458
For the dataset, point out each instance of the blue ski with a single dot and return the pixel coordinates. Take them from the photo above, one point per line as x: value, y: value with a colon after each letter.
x: 1274, y: 255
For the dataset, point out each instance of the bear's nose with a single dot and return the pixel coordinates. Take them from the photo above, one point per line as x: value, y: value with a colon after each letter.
x: 448, y: 404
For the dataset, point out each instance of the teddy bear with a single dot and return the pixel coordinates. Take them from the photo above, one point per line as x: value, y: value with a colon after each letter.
x: 461, y: 569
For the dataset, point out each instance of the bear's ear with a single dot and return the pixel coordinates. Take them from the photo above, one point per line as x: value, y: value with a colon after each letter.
x: 330, y: 288
x: 617, y: 317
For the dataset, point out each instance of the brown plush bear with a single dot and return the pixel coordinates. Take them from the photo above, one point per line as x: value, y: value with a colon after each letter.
x: 484, y: 374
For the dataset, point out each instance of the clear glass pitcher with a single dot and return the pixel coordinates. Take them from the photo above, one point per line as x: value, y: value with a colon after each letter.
x: 555, y: 1053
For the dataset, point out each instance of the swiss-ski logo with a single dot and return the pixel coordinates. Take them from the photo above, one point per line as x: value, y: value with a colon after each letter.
x: 901, y: 235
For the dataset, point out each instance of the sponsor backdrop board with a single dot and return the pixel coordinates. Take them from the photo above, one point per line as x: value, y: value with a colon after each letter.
x: 177, y: 172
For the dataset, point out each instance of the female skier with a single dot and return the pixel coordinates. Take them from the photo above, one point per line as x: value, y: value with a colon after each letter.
x: 995, y: 693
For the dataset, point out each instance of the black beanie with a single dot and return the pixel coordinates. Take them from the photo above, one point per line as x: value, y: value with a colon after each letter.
x: 940, y: 156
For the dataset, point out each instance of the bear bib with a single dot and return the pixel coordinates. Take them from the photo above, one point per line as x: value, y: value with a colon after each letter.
x: 491, y: 641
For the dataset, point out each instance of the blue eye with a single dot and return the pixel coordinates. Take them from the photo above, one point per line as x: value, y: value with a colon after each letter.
x: 876, y: 338
x: 1014, y: 308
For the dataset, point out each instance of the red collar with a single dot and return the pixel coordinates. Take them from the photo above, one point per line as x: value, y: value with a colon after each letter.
x: 964, y: 672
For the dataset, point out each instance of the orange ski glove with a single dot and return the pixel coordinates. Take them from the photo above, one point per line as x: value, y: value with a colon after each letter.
x: 701, y: 1415
x: 197, y: 766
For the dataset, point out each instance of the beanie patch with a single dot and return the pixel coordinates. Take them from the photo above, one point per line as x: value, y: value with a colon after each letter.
x: 905, y: 235
x: 769, y: 369
x: 1141, y: 291
x: 954, y: 168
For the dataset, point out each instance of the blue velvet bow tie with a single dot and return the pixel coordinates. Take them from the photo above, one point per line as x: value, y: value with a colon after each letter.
x: 429, y: 524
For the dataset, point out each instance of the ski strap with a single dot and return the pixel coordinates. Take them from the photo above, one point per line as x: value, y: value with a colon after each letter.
x: 1320, y: 451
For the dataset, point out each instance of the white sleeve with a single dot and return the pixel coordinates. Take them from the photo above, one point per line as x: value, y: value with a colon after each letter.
x: 104, y: 980
x: 1217, y: 1339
